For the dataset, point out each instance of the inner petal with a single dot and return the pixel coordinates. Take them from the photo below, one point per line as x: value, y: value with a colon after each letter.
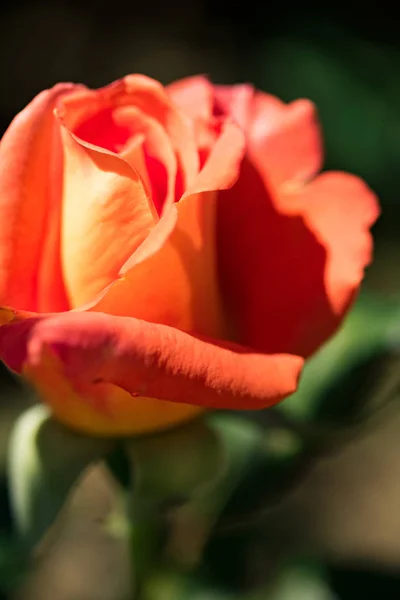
x: 104, y: 129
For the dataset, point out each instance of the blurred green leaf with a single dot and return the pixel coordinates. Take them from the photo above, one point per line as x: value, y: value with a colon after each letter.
x: 45, y: 462
x: 165, y: 585
x: 297, y: 583
x: 240, y: 442
x: 193, y: 471
x: 270, y: 473
x: 175, y: 585
x: 275, y: 465
x: 175, y: 465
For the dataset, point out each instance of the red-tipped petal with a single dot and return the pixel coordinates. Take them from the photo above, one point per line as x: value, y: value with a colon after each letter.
x: 193, y: 95
x: 284, y: 140
x: 84, y: 352
x: 289, y: 276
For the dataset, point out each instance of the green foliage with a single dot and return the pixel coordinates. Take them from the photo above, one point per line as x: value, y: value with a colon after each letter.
x: 176, y: 464
x: 45, y: 462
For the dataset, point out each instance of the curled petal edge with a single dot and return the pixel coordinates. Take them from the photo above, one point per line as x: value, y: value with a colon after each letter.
x: 94, y: 351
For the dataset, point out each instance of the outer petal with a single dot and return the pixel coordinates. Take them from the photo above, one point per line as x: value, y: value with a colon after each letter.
x: 193, y: 95
x: 284, y: 140
x: 106, y: 216
x: 30, y: 194
x: 77, y: 359
x: 172, y: 278
x: 291, y: 276
x: 339, y: 209
x: 236, y: 101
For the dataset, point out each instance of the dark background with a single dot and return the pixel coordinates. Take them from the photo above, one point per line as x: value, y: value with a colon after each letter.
x: 344, y: 58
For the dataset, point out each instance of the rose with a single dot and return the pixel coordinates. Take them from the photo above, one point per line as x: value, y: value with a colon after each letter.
x: 166, y: 251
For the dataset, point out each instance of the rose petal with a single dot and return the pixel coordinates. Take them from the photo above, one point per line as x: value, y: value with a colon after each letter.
x: 84, y: 110
x: 144, y: 144
x: 339, y: 209
x: 288, y: 277
x: 159, y: 159
x: 236, y: 101
x: 172, y: 279
x: 104, y: 409
x: 84, y: 353
x: 106, y: 216
x: 193, y: 95
x: 291, y: 149
x: 284, y: 140
x: 30, y: 192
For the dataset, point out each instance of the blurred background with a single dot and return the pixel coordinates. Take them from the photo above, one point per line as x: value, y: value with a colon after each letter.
x: 334, y: 532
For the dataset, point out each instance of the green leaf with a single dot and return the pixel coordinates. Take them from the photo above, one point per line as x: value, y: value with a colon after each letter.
x: 168, y: 584
x: 275, y: 464
x: 297, y: 583
x: 182, y: 480
x: 45, y: 462
x: 241, y: 441
x: 175, y: 465
x: 193, y: 523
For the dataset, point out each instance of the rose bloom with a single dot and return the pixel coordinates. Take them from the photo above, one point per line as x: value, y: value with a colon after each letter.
x: 169, y: 250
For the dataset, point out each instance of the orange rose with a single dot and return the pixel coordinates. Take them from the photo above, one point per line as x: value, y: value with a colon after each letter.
x: 163, y: 251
